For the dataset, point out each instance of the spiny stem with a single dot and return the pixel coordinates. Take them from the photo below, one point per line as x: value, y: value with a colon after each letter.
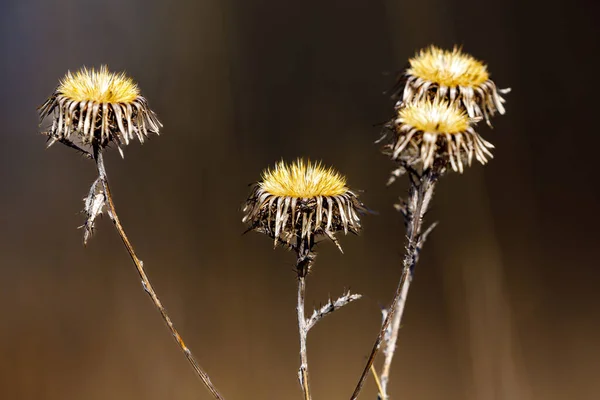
x: 146, y: 282
x: 427, y: 184
x: 303, y: 373
x: 391, y: 341
x: 421, y: 191
x: 304, y: 260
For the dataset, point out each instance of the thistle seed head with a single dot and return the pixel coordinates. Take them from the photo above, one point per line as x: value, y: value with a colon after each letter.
x: 435, y: 129
x: 454, y: 75
x: 300, y: 201
x: 97, y: 107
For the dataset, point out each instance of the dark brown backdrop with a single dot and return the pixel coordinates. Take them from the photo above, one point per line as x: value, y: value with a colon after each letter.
x: 504, y: 302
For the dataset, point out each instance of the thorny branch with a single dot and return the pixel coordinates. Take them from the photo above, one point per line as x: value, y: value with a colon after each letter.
x: 303, y: 264
x: 100, y: 197
x: 54, y: 138
x: 303, y: 371
x: 305, y: 258
x: 420, y: 194
x: 391, y: 334
x: 330, y: 307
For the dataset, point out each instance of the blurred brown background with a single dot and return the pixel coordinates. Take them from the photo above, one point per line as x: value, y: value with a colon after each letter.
x: 504, y: 304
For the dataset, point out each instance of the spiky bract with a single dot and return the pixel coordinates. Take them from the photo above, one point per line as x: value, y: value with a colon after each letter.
x: 454, y: 75
x: 430, y: 130
x: 99, y: 107
x: 301, y: 200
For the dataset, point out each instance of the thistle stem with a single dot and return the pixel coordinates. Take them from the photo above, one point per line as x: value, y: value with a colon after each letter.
x: 146, y: 282
x: 421, y: 191
x: 303, y: 372
x: 393, y: 338
x: 304, y: 261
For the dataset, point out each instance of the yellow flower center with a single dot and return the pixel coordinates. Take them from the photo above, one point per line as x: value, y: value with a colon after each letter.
x: 98, y: 86
x: 435, y: 116
x: 303, y: 180
x: 448, y: 68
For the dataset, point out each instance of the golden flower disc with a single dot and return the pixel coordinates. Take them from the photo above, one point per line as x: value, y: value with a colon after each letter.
x: 98, y: 86
x: 448, y: 68
x: 435, y: 116
x: 303, y: 180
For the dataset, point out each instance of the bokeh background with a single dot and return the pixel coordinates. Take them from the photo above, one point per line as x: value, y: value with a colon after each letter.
x: 505, y: 300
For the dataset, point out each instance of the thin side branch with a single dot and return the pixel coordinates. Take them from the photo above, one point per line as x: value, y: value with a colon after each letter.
x: 330, y: 307
x: 53, y: 139
x: 380, y: 395
x: 305, y: 258
x: 146, y: 282
x: 421, y: 192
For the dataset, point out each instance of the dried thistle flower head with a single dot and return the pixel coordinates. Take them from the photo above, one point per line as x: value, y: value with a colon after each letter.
x: 298, y: 201
x: 436, y: 129
x: 98, y: 107
x: 455, y: 75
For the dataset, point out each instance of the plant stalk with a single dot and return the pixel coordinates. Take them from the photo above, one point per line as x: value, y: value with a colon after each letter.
x: 304, y: 261
x: 303, y: 373
x: 393, y: 338
x: 146, y: 282
x: 421, y: 191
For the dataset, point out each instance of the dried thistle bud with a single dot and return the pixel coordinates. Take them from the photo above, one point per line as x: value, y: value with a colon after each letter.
x: 454, y: 75
x: 299, y: 201
x: 430, y: 130
x: 95, y: 203
x: 98, y: 107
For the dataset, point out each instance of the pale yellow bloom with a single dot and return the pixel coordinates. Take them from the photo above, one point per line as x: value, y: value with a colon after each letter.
x: 434, y: 116
x: 448, y: 68
x: 98, y: 86
x: 303, y: 180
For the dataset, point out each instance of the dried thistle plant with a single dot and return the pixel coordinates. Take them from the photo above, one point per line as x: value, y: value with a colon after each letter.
x: 444, y: 94
x: 91, y: 109
x: 96, y: 108
x: 451, y: 75
x: 431, y: 129
x: 294, y: 204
